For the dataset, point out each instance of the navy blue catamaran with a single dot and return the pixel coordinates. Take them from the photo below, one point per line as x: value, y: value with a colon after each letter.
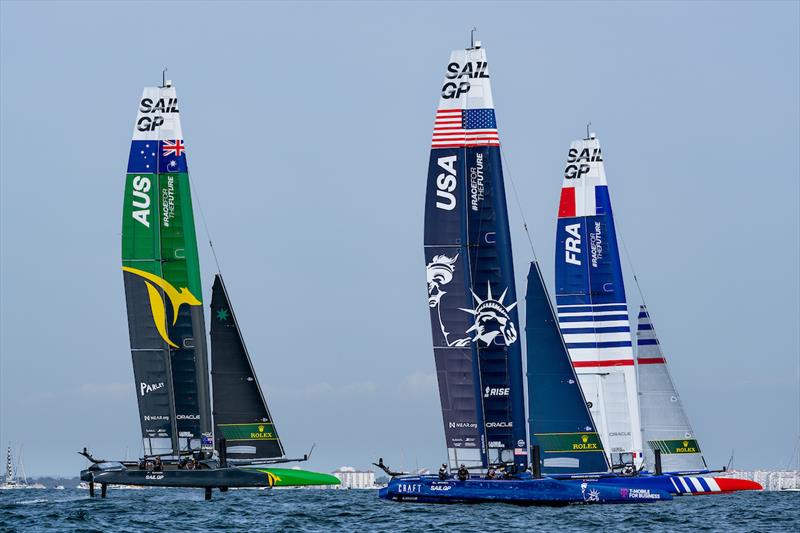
x: 556, y: 456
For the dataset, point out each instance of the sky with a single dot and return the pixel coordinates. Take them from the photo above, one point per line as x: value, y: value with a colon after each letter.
x: 308, y: 127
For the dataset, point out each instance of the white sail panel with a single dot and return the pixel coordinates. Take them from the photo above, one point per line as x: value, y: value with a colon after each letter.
x: 665, y: 425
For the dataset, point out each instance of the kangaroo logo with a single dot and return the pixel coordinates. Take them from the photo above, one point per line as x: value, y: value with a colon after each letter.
x: 272, y: 479
x: 176, y: 297
x: 492, y: 318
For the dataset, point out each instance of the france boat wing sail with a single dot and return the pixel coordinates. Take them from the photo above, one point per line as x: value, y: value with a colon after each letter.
x: 161, y: 273
x: 592, y: 309
x: 560, y: 422
x: 470, y: 275
x: 665, y: 426
x: 241, y: 415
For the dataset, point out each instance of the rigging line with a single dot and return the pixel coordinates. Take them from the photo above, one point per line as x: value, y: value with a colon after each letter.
x: 519, y: 204
x: 205, y: 224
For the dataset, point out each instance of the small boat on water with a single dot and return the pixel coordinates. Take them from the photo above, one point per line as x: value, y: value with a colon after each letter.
x: 186, y: 444
x: 15, y: 478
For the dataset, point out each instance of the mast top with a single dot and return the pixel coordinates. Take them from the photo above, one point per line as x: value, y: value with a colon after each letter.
x: 164, y: 81
x: 473, y: 44
x: 590, y: 134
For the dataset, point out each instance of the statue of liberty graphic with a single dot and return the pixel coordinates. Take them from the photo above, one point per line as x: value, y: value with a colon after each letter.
x: 492, y: 316
x: 440, y: 272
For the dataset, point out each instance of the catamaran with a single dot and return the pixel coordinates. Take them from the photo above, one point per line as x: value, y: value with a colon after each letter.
x: 593, y: 317
x: 185, y: 443
x: 476, y: 335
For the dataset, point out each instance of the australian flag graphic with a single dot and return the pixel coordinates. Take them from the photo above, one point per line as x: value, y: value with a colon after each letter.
x: 164, y: 157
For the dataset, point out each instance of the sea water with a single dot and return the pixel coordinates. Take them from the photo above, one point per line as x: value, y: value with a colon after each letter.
x: 361, y: 510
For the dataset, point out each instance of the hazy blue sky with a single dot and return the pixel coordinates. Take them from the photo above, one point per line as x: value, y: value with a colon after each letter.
x: 308, y: 129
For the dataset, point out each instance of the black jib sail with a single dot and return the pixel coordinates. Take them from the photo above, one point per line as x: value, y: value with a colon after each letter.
x: 470, y: 275
x: 241, y: 415
x: 560, y: 422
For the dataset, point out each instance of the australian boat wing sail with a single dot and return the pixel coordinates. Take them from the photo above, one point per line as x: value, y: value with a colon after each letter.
x: 665, y: 426
x: 241, y: 415
x: 471, y: 293
x: 161, y: 273
x: 592, y: 309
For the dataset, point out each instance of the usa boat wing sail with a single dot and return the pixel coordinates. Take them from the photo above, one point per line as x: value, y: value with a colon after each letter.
x: 592, y: 308
x: 161, y: 273
x: 665, y: 426
x: 471, y: 293
x: 241, y: 415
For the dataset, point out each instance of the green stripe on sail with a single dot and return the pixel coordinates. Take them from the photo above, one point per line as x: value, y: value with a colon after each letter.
x: 158, y: 234
x: 677, y: 446
x: 239, y: 432
x: 569, y: 442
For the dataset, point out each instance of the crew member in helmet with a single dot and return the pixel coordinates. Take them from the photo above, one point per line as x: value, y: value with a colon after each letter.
x: 443, y: 472
x: 463, y: 473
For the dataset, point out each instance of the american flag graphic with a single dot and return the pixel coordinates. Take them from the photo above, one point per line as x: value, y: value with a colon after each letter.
x: 456, y: 128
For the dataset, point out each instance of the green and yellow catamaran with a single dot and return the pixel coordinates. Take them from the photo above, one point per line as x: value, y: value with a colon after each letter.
x: 188, y: 440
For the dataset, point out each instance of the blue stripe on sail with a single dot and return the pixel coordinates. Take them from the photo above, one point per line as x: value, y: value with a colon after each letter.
x: 589, y: 308
x: 614, y: 329
x: 590, y: 318
x: 643, y: 315
x: 604, y: 344
x: 601, y: 199
x: 647, y: 342
x: 645, y: 326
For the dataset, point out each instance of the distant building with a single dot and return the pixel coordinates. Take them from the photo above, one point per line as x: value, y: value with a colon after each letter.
x: 769, y: 479
x: 355, y: 479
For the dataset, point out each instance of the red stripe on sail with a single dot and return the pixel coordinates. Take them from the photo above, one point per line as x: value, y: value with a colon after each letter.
x: 566, y: 208
x: 651, y: 361
x: 610, y: 362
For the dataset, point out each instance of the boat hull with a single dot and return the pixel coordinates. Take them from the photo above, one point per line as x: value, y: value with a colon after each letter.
x: 680, y: 485
x: 216, y: 477
x: 545, y: 491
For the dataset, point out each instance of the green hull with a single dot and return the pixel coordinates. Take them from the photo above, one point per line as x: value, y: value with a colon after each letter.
x: 289, y: 477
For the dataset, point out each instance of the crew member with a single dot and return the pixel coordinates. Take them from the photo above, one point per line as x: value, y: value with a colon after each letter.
x: 463, y: 473
x: 158, y: 464
x: 443, y: 472
x: 491, y: 473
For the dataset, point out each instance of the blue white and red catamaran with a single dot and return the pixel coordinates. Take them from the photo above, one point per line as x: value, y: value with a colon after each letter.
x: 557, y: 455
x: 594, y: 320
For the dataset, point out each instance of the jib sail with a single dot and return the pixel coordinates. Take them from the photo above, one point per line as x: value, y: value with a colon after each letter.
x: 241, y: 415
x: 665, y: 425
x: 161, y: 272
x: 592, y: 309
x: 470, y: 275
x: 560, y: 422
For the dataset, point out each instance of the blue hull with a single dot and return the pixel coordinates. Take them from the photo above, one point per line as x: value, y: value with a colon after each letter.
x: 679, y: 484
x: 545, y: 491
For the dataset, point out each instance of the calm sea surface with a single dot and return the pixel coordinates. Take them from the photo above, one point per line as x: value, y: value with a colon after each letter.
x: 333, y: 510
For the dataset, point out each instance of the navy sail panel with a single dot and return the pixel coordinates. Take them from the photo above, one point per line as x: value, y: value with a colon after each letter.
x: 471, y: 290
x: 560, y: 422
